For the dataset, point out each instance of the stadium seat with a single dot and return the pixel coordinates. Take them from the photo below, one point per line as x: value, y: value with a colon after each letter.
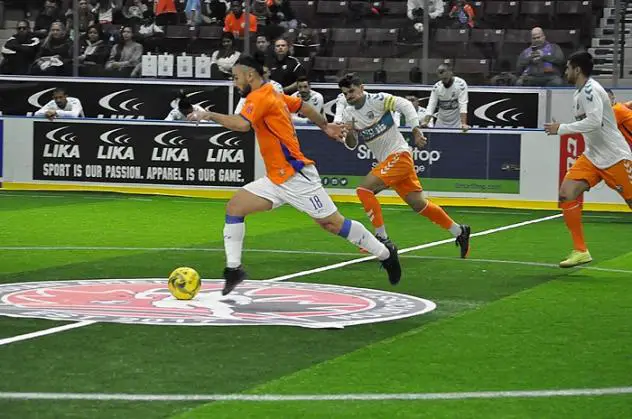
x: 211, y: 32
x: 305, y: 12
x: 381, y: 42
x: 494, y: 36
x: 536, y: 13
x: 346, y: 41
x: 329, y: 68
x: 398, y: 69
x: 331, y: 13
x: 430, y: 65
x: 573, y: 14
x: 177, y: 38
x: 476, y: 71
x: 564, y: 37
x: 486, y: 43
x: 454, y: 42
x: 500, y: 14
x: 366, y: 68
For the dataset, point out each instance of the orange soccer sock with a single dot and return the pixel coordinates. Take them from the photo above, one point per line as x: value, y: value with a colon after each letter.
x: 371, y: 207
x: 572, y: 211
x: 437, y: 215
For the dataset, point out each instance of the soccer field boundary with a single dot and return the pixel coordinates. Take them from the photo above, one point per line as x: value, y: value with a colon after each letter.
x: 354, y: 261
x: 572, y: 392
x: 45, y: 332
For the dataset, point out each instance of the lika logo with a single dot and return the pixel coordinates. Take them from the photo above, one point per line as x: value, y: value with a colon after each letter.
x: 148, y: 301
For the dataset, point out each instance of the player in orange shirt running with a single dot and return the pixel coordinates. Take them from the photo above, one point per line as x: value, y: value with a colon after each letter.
x: 623, y: 114
x: 290, y: 177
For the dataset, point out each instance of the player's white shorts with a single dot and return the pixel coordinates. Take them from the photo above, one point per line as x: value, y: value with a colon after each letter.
x: 303, y: 191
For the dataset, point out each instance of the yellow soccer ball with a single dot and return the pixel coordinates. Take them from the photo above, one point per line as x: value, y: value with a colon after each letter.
x: 184, y: 283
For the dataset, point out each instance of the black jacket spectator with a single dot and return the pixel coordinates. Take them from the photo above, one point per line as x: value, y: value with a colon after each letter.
x: 285, y: 69
x: 19, y: 51
x: 84, y: 15
x: 281, y: 14
x: 55, y: 55
x: 94, y: 53
x: 47, y: 16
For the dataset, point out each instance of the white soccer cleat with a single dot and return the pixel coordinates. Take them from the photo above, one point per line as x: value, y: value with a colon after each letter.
x: 576, y: 258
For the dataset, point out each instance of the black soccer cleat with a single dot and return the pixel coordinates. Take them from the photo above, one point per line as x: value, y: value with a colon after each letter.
x: 463, y: 241
x: 391, y: 264
x: 233, y: 277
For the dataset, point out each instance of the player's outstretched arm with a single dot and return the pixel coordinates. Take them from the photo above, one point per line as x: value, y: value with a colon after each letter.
x: 335, y: 131
x: 232, y: 122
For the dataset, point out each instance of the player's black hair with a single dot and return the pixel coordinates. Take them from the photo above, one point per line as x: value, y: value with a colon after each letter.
x: 447, y: 66
x: 350, y: 79
x: 583, y: 60
x: 300, y: 79
x: 255, y: 61
x: 59, y: 90
x: 609, y: 91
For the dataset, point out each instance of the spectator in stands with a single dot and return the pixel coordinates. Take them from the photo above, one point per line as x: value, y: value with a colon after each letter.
x: 281, y: 14
x: 284, y: 68
x: 540, y: 64
x: 61, y: 106
x: 193, y: 11
x: 93, y: 53
x: 84, y: 15
x: 263, y: 45
x: 505, y: 77
x: 47, y: 16
x: 105, y: 11
x: 235, y: 21
x: 223, y: 60
x: 19, y: 51
x: 307, y: 43
x: 165, y: 12
x: 134, y: 11
x: 55, y: 54
x: 308, y: 95
x: 463, y: 15
x: 421, y: 111
x: 449, y: 98
x: 216, y: 11
x: 436, y: 9
x: 125, y: 56
x: 183, y: 109
x: 260, y: 10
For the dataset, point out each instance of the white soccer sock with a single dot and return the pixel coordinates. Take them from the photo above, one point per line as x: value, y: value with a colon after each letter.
x: 381, y: 231
x: 456, y: 230
x: 234, y: 232
x: 357, y: 234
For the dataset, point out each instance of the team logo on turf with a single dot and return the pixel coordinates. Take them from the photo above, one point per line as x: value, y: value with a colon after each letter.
x: 148, y: 301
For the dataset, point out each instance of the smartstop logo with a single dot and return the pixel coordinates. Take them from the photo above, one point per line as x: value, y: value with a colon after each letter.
x: 142, y: 154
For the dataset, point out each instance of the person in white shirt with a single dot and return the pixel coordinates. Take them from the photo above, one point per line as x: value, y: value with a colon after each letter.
x: 226, y: 57
x: 449, y: 99
x: 62, y: 106
x: 183, y: 109
x: 421, y: 111
x: 308, y: 95
x: 607, y: 156
x: 368, y: 117
x: 416, y: 10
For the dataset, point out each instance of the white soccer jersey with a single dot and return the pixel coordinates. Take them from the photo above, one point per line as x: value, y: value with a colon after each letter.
x: 277, y: 87
x: 595, y: 120
x: 315, y: 99
x: 449, y: 103
x: 73, y: 109
x: 341, y: 104
x: 374, y: 123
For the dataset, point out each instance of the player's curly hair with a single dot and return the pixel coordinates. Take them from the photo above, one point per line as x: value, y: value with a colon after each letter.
x: 255, y: 61
x: 348, y: 80
x: 583, y: 60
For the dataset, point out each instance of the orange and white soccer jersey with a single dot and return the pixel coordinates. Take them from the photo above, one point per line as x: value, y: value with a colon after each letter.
x: 623, y: 115
x: 595, y: 120
x: 269, y: 115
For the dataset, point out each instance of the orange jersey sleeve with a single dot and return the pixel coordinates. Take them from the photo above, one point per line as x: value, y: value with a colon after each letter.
x: 623, y: 114
x: 293, y: 103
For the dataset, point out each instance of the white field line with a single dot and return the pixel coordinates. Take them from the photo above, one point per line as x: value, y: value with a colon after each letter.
x: 312, y: 271
x: 585, y: 392
x: 44, y: 332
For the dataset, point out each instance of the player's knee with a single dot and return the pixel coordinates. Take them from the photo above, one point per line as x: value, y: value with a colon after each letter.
x: 233, y: 208
x: 364, y: 193
x: 329, y: 226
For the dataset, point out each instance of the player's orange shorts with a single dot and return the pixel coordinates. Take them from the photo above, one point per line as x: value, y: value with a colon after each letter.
x: 397, y: 171
x: 618, y: 177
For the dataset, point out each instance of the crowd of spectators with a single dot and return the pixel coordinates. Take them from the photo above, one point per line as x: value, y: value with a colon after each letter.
x: 114, y: 34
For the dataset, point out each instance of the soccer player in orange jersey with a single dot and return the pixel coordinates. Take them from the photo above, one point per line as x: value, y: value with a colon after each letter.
x: 607, y: 156
x: 290, y: 177
x: 623, y: 114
